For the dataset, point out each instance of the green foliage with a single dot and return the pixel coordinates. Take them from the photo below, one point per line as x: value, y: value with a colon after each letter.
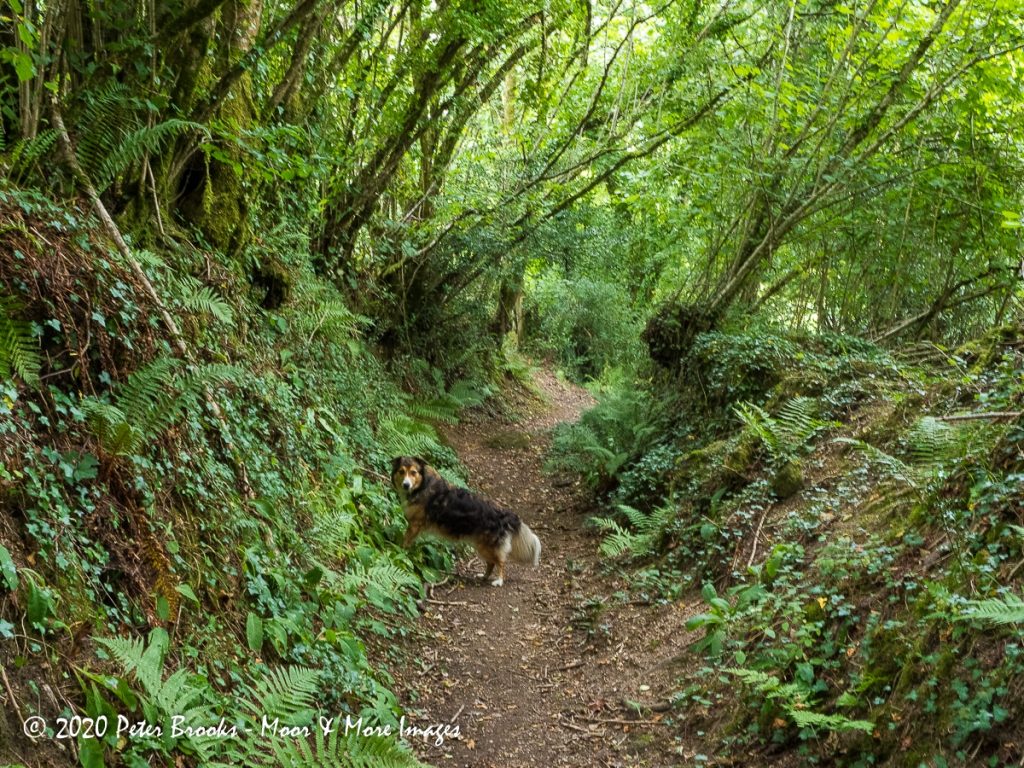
x: 994, y: 611
x: 8, y: 570
x: 618, y: 427
x: 199, y: 298
x: 273, y: 719
x: 791, y: 699
x: 584, y: 324
x: 19, y: 350
x: 151, y: 400
x: 786, y: 434
x: 642, y: 540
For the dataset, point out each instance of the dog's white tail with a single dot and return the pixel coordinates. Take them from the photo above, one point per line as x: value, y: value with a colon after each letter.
x: 526, y: 546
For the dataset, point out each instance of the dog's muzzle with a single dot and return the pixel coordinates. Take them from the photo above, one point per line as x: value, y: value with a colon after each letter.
x: 407, y: 484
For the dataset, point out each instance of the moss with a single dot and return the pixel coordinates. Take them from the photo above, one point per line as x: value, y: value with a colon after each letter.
x: 986, y: 350
x: 721, y: 464
x: 216, y: 205
x: 274, y: 279
x: 807, y: 382
x: 509, y: 440
x: 788, y: 480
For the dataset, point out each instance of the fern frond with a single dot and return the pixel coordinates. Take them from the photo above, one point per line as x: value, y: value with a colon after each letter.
x: 798, y: 420
x: 436, y: 410
x: 788, y: 432
x: 196, y: 297
x: 933, y: 441
x: 135, y: 145
x: 127, y: 651
x: 760, y: 423
x: 402, y: 435
x: 383, y: 576
x: 28, y: 152
x: 327, y: 317
x: 145, y: 406
x: 803, y: 718
x: 287, y: 693
x: 146, y: 388
x: 111, y: 112
x: 19, y: 351
x: 995, y: 611
x: 618, y: 541
x: 332, y: 530
x: 467, y: 394
x: 892, y: 465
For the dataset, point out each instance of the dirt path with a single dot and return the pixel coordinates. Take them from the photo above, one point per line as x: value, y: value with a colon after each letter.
x: 536, y: 673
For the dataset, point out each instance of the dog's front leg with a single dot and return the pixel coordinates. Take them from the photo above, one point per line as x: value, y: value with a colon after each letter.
x: 411, y: 533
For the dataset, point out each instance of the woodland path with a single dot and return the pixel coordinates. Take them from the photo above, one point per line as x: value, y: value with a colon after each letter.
x: 537, y: 672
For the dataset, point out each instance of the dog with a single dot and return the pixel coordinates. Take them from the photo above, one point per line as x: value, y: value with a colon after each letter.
x: 433, y: 505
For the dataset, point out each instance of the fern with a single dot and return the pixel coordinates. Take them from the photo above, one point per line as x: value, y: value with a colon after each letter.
x: 324, y: 315
x: 792, y: 699
x: 196, y: 297
x: 933, y: 441
x: 383, y: 576
x: 289, y: 693
x: 134, y: 146
x: 1008, y: 611
x: 803, y: 718
x: 401, y: 435
x: 113, y: 136
x: 19, y: 352
x: 27, y: 152
x: 147, y: 404
x: 109, y: 114
x: 332, y: 531
x: 647, y: 529
x: 181, y: 694
x: 447, y: 406
x: 787, y: 433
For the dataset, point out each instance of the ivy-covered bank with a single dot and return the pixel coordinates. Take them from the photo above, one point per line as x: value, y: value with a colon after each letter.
x: 849, y: 521
x: 211, y: 536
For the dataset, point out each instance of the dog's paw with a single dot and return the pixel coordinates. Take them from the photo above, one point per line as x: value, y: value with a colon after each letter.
x: 497, y: 582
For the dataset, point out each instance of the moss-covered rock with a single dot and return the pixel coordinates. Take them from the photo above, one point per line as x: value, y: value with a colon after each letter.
x: 788, y: 479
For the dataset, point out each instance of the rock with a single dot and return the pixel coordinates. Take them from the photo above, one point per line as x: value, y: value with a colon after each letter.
x: 788, y: 479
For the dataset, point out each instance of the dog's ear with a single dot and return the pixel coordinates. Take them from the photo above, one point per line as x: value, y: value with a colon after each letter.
x: 395, y: 464
x: 422, y: 464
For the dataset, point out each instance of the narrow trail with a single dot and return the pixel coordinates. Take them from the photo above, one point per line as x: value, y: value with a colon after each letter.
x: 538, y: 672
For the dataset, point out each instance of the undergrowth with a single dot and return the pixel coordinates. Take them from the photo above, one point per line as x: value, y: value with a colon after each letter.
x: 233, y: 507
x: 856, y: 553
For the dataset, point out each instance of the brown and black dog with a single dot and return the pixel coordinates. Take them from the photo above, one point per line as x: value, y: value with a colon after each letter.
x: 433, y: 505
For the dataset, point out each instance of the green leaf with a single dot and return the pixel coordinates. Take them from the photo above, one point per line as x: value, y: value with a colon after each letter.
x: 40, y: 604
x: 8, y: 572
x: 23, y: 65
x: 186, y: 590
x: 163, y: 608
x: 254, y: 632
x: 90, y: 753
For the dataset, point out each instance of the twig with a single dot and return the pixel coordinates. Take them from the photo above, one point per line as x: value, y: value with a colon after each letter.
x: 156, y: 201
x: 456, y: 715
x: 757, y: 535
x: 570, y: 665
x: 14, y: 701
x: 658, y: 706
x: 565, y: 723
x: 446, y: 602
x: 376, y: 474
x: 992, y: 415
x: 619, y: 721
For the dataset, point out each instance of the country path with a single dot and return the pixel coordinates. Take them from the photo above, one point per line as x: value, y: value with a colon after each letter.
x: 536, y: 673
